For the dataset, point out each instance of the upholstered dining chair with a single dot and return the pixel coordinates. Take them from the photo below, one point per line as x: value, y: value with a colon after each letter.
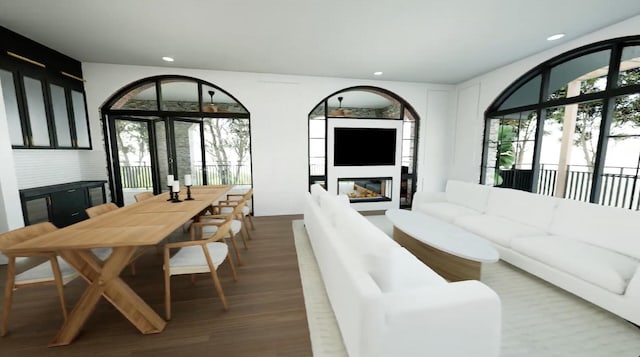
x: 211, y: 222
x: 198, y: 255
x: 95, y: 211
x: 103, y: 253
x: 234, y: 198
x: 143, y: 196
x: 55, y: 271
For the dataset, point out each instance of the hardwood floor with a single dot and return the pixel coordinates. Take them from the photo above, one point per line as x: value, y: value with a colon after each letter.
x: 266, y: 314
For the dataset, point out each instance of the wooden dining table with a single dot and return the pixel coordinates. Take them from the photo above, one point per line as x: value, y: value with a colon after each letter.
x: 125, y: 230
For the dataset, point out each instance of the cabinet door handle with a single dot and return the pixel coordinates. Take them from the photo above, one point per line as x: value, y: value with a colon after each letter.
x: 75, y: 214
x: 69, y: 191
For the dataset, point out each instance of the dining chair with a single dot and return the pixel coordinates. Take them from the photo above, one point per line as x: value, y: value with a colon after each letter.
x: 246, y: 210
x: 103, y: 253
x: 98, y: 210
x: 143, y: 196
x: 56, y: 271
x: 198, y: 255
x: 210, y: 223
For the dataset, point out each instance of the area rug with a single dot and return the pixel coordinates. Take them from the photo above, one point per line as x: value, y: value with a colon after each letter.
x: 539, y: 319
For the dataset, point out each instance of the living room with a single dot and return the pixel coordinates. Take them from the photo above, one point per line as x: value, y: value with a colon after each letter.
x: 450, y: 110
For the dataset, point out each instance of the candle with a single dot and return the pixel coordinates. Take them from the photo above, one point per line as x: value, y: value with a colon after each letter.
x: 169, y: 180
x: 187, y: 180
x: 176, y: 186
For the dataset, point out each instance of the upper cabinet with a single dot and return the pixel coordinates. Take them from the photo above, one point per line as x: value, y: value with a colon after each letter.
x: 43, y: 94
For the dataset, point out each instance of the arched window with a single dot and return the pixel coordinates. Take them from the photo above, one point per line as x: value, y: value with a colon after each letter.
x: 571, y: 127
x: 370, y: 114
x: 175, y: 125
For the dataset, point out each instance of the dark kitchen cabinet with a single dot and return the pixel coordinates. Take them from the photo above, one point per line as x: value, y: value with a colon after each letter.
x: 62, y: 204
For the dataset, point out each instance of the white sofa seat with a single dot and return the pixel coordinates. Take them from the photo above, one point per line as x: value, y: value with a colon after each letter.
x: 604, y: 268
x: 497, y: 229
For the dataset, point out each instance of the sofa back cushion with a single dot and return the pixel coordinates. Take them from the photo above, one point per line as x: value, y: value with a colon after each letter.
x: 617, y: 229
x: 470, y: 195
x: 362, y: 236
x: 523, y: 207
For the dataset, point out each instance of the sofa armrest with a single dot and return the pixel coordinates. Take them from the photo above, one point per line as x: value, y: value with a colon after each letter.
x: 436, y: 318
x: 424, y: 197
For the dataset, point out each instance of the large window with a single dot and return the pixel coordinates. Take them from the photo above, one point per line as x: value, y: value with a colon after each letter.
x: 571, y: 127
x: 175, y: 125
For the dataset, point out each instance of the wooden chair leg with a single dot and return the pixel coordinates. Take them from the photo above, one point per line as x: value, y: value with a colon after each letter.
x: 233, y: 268
x: 235, y: 247
x: 244, y: 238
x: 214, y: 276
x: 57, y: 277
x: 253, y: 228
x: 167, y: 286
x: 8, y: 295
x: 218, y: 286
x: 245, y: 226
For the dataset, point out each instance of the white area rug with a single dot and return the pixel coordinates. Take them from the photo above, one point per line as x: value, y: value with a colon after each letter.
x: 538, y: 319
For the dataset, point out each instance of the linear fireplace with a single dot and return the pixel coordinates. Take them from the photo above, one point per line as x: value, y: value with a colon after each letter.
x: 366, y: 189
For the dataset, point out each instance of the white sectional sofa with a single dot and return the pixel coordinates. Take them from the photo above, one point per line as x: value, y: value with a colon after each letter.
x: 590, y: 250
x: 387, y: 302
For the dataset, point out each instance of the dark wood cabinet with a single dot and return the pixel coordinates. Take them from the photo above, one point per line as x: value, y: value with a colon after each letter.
x: 62, y: 204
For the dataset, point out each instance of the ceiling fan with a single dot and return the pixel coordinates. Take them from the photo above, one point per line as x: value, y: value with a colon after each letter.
x: 340, y: 112
x: 210, y: 107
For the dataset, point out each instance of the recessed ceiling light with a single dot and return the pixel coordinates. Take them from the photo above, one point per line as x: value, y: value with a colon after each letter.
x: 167, y: 59
x: 377, y: 73
x: 555, y: 37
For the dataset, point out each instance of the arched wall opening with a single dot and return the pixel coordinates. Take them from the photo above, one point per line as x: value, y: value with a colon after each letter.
x: 363, y: 142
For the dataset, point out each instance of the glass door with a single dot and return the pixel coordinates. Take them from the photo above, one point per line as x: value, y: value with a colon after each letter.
x: 186, y: 150
x: 149, y: 149
x: 134, y: 165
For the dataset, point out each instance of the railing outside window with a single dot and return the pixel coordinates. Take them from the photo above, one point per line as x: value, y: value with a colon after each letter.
x: 620, y: 185
x: 139, y: 176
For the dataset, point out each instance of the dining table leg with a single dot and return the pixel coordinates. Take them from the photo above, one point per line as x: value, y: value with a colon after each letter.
x: 104, y: 280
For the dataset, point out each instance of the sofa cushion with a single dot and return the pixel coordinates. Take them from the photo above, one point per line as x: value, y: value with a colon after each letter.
x: 470, y: 195
x: 608, y: 227
x: 396, y: 269
x: 524, y: 207
x: 602, y: 267
x: 497, y: 229
x: 362, y: 236
x: 445, y: 210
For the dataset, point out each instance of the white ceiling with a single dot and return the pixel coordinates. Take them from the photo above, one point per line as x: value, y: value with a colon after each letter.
x: 434, y: 41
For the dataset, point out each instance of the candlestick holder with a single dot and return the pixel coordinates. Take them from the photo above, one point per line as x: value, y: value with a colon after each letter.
x: 170, y: 193
x: 176, y: 197
x: 189, y: 198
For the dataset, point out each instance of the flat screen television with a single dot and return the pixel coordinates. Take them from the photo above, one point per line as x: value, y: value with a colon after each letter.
x: 364, y: 146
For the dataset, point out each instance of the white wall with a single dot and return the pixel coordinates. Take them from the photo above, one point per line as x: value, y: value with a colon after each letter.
x: 279, y: 107
x: 475, y: 96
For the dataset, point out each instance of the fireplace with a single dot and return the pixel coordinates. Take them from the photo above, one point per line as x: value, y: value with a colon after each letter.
x: 366, y: 189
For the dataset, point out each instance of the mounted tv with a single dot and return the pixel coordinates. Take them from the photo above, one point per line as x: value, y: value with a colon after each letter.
x: 364, y: 146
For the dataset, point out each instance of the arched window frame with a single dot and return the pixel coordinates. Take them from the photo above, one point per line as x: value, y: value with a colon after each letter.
x: 108, y: 110
x: 607, y: 96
